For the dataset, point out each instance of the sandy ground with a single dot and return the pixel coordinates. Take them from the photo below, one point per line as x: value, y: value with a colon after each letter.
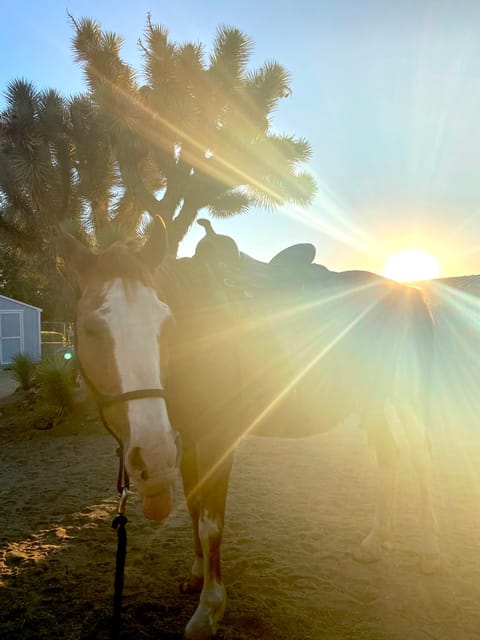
x: 295, y: 512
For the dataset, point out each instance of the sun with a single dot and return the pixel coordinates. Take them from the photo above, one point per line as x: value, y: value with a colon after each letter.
x: 411, y: 265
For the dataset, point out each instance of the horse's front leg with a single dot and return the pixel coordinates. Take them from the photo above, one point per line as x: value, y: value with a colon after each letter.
x: 190, y: 477
x: 214, y: 466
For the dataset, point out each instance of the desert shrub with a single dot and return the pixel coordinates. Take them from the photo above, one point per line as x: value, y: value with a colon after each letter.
x: 23, y: 370
x: 56, y: 381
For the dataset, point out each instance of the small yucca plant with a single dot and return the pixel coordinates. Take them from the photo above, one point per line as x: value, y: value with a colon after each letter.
x: 56, y: 380
x: 23, y: 370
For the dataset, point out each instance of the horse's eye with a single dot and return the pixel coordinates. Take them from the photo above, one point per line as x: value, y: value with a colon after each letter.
x: 91, y: 329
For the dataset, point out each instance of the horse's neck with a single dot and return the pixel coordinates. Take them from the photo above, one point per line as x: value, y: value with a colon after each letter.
x: 186, y: 286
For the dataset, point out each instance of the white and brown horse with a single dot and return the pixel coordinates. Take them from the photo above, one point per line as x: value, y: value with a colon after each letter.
x: 182, y: 343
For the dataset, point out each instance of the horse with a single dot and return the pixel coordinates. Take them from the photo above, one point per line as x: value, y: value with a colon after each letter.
x: 220, y: 346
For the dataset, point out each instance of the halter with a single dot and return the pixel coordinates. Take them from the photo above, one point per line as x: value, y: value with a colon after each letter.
x: 105, y: 400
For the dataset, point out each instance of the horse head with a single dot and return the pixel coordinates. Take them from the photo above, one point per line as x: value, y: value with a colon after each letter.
x: 119, y: 319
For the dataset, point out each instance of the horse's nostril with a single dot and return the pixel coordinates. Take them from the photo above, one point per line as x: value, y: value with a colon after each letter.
x: 136, y: 459
x: 137, y: 463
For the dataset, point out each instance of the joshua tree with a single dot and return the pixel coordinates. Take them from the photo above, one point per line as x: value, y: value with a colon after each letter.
x: 197, y: 134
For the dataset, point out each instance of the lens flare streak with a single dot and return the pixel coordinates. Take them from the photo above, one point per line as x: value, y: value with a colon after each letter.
x: 289, y: 387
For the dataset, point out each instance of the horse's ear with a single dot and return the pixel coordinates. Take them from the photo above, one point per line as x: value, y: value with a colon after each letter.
x: 155, y: 248
x: 74, y: 255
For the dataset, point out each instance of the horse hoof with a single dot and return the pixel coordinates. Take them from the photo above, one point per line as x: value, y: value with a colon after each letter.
x: 429, y: 563
x: 193, y: 584
x: 369, y: 551
x: 203, y: 625
x: 205, y: 634
x: 365, y: 556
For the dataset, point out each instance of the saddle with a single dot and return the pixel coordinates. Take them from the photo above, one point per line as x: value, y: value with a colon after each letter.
x: 295, y: 255
x: 291, y: 269
x: 279, y: 330
x: 276, y: 307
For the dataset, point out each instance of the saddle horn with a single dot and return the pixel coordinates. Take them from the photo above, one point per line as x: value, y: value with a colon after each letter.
x: 215, y: 247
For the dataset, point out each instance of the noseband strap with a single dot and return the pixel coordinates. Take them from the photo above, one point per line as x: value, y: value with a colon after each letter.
x: 104, y: 400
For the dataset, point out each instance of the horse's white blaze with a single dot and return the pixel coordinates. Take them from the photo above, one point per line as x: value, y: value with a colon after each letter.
x: 135, y: 334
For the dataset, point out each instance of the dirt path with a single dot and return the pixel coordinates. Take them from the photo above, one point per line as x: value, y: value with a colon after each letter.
x: 296, y: 510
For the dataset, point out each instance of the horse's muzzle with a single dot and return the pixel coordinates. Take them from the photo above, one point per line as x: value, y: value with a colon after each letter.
x: 158, y: 507
x: 154, y: 471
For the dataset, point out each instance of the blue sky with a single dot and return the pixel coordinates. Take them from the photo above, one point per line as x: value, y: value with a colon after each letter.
x: 388, y: 94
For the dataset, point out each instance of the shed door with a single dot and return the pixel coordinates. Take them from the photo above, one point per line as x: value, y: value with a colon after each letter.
x: 11, y: 341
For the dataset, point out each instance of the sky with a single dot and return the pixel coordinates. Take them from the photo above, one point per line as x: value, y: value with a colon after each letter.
x: 386, y: 92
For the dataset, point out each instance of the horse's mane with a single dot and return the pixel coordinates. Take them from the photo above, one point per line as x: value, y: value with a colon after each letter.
x: 189, y: 286
x: 180, y: 280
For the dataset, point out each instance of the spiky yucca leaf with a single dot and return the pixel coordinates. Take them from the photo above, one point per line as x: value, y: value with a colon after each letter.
x: 22, y: 369
x: 274, y: 191
x: 22, y: 100
x: 110, y: 234
x: 56, y: 377
x: 74, y: 227
x: 87, y: 38
x: 231, y: 53
x: 159, y: 56
x: 267, y: 85
x: 229, y: 204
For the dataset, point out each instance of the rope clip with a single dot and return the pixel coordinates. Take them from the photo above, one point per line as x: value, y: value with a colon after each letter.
x: 123, y: 501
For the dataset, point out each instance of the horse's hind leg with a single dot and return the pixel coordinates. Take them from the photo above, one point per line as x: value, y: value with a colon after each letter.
x: 429, y: 552
x: 381, y: 438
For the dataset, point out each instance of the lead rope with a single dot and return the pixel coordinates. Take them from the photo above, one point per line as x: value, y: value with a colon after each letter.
x: 119, y: 523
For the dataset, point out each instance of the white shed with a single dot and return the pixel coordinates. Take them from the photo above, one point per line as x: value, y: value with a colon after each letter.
x: 19, y: 329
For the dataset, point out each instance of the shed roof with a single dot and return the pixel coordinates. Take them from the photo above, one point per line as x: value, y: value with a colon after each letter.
x: 25, y: 304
